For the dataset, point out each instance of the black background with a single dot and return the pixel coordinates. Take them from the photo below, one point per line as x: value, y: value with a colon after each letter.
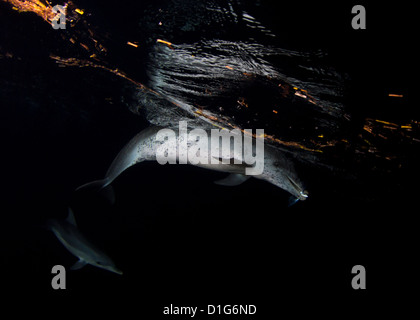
x: 179, y: 238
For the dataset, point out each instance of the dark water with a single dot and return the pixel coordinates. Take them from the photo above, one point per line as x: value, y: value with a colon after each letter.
x: 200, y: 243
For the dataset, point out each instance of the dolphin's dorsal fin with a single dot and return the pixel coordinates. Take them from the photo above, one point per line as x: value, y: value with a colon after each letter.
x: 70, y: 218
x: 78, y: 265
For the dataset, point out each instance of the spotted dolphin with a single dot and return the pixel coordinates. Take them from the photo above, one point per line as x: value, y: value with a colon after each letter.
x: 278, y: 169
x: 69, y: 235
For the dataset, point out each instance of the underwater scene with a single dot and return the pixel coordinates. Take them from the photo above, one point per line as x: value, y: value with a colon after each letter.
x: 176, y: 159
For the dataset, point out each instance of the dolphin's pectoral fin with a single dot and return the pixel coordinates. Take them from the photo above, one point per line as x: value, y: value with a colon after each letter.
x: 102, y: 187
x: 78, y: 265
x: 234, y: 179
x: 292, y: 200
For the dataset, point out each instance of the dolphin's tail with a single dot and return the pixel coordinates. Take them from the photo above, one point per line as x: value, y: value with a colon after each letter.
x: 103, y: 187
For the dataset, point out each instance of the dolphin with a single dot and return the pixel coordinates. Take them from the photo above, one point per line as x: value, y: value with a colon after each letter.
x: 278, y: 168
x: 69, y: 235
